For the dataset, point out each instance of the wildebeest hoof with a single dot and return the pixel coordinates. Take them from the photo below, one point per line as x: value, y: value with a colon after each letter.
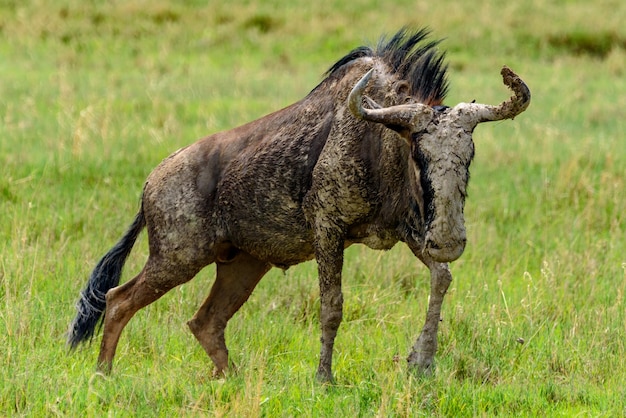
x: 324, y: 377
x: 420, y: 365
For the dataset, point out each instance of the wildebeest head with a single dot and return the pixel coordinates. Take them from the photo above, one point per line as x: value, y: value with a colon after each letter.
x: 441, y: 145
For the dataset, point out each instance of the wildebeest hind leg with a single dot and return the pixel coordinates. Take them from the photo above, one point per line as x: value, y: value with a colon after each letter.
x: 236, y: 279
x: 157, y: 278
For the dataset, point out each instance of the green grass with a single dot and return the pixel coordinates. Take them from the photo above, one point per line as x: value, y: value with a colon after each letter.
x: 93, y: 96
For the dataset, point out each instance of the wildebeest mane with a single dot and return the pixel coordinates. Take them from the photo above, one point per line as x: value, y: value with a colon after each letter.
x: 413, y: 58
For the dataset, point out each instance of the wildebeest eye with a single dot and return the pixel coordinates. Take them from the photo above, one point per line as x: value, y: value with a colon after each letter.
x: 441, y: 108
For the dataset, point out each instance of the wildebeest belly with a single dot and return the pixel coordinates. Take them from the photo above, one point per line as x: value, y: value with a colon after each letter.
x: 270, y: 228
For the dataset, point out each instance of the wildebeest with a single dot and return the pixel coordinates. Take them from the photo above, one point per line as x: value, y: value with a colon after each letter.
x: 369, y: 156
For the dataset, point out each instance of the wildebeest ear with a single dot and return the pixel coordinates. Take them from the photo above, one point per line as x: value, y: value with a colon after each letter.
x: 402, y: 90
x: 371, y: 103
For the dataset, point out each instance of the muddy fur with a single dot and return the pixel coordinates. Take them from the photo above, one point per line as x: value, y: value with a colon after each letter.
x: 301, y: 183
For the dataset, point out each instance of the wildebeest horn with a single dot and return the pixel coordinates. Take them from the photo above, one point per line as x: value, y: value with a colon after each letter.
x: 400, y: 116
x: 508, y: 109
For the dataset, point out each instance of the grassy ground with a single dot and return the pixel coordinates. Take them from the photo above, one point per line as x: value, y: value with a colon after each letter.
x: 93, y: 96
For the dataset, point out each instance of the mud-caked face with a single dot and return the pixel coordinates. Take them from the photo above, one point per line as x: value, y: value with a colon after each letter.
x: 442, y: 147
x: 443, y: 151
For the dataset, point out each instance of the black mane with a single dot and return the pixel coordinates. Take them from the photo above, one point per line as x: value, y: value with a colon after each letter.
x: 413, y: 58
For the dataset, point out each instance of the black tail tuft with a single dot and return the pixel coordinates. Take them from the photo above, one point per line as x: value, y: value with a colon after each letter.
x: 105, y: 276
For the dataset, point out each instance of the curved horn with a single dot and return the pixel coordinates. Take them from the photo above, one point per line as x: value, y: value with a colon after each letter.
x: 400, y: 116
x: 508, y: 109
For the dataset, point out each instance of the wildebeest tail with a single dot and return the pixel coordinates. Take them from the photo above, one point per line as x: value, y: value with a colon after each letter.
x: 105, y: 276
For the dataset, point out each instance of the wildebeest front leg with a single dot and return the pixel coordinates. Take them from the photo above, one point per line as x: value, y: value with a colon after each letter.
x: 329, y: 254
x: 422, y: 356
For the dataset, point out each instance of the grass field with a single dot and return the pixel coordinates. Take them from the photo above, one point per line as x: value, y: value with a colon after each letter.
x: 93, y: 95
